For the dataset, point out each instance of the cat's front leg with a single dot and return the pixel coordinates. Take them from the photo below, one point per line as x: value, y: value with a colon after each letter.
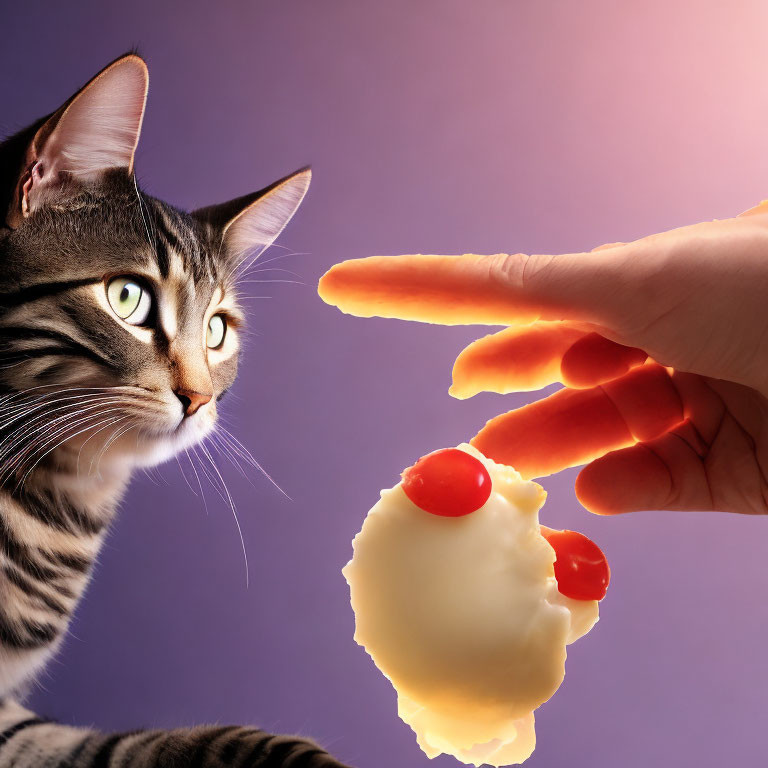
x: 241, y: 747
x: 29, y: 741
x: 205, y: 747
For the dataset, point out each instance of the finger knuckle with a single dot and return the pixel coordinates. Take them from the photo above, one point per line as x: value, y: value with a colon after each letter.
x: 514, y: 269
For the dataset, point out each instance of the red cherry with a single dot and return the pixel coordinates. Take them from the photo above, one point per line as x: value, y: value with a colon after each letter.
x: 448, y: 482
x: 581, y: 569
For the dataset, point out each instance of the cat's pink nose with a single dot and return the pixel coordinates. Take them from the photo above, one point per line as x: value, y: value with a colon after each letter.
x: 191, y: 400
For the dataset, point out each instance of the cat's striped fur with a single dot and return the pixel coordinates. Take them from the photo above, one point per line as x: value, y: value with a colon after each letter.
x: 87, y: 393
x: 28, y: 741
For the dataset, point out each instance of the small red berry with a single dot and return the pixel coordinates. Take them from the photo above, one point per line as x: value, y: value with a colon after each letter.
x: 581, y: 569
x: 448, y: 482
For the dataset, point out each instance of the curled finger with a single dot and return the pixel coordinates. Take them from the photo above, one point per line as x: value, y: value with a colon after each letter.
x: 573, y: 427
x: 525, y: 358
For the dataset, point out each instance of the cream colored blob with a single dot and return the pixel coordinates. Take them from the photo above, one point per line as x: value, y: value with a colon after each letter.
x: 463, y: 616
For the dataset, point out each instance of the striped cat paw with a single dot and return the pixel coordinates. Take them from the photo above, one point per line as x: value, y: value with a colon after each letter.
x: 28, y: 741
x: 208, y: 747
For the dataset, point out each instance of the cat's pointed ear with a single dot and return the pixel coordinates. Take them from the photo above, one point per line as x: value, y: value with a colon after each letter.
x: 248, y: 225
x: 96, y: 130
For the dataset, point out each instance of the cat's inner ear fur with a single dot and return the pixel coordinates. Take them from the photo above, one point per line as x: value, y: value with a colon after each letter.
x: 96, y: 131
x: 248, y: 225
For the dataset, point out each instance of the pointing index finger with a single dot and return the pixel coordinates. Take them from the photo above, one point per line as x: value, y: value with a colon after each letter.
x: 450, y: 290
x: 498, y: 289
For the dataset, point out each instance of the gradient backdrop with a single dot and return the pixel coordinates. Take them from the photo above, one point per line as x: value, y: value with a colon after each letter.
x: 432, y: 126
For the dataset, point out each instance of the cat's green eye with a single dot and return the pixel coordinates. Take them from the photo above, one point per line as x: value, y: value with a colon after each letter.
x: 129, y: 300
x: 217, y: 329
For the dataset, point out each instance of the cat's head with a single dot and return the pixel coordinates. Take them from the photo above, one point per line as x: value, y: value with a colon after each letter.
x: 118, y: 313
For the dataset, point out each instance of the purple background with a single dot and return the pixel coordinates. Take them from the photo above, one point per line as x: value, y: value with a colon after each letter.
x: 432, y: 126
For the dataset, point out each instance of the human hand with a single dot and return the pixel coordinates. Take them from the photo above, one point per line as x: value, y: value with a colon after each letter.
x: 662, y: 345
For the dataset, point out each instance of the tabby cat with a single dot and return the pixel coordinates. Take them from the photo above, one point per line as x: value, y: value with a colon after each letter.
x: 119, y: 325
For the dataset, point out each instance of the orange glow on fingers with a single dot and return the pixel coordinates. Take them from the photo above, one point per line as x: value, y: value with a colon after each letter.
x: 449, y: 290
x: 518, y: 359
x: 593, y: 359
x: 573, y: 427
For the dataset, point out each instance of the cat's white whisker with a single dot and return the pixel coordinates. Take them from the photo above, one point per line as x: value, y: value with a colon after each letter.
x: 34, y: 428
x: 88, y: 439
x: 12, y: 407
x: 226, y: 450
x: 47, y: 451
x: 208, y: 476
x: 200, y: 484
x: 276, y: 280
x: 273, y: 269
x: 53, y: 428
x: 206, y: 452
x: 263, y: 262
x: 20, y: 484
x: 32, y: 425
x: 117, y: 420
x: 248, y: 456
x: 22, y: 411
x: 147, y: 472
x: 229, y: 453
x: 25, y: 409
x: 183, y: 474
x: 116, y: 435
